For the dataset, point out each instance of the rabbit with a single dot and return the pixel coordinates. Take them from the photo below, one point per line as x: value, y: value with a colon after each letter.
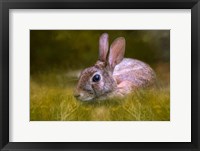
x: 113, y: 75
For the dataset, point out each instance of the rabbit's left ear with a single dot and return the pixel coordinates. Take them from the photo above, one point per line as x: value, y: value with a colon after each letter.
x: 117, y: 50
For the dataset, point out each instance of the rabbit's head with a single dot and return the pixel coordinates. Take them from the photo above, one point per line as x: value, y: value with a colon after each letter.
x: 97, y: 81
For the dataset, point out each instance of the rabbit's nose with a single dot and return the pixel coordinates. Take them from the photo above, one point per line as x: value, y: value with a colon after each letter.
x: 77, y: 94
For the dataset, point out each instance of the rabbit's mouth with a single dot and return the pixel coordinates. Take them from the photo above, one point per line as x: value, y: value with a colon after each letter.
x: 85, y: 99
x: 82, y: 97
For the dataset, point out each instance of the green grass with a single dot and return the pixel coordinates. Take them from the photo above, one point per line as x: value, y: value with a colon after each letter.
x: 52, y: 99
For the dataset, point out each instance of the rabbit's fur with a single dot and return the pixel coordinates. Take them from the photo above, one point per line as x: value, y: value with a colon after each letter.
x: 119, y: 76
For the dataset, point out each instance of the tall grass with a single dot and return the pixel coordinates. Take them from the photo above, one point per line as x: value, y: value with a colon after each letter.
x: 52, y: 99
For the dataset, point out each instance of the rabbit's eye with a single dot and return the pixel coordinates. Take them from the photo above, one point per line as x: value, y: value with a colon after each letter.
x: 96, y: 78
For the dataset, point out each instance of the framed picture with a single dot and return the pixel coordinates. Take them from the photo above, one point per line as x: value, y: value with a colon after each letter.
x: 99, y: 75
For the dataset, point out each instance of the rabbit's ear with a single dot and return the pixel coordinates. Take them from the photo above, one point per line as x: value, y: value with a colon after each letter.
x: 117, y: 50
x: 103, y: 47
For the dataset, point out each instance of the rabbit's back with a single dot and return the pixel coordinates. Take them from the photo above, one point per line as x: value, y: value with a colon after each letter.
x: 137, y: 72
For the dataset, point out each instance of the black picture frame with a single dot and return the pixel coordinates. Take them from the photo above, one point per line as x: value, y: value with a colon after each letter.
x: 5, y: 5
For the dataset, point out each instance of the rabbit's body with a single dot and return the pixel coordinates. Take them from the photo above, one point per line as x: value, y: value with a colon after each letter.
x: 137, y: 72
x: 113, y: 75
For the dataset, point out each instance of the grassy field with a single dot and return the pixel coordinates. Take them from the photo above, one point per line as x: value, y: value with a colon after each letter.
x: 51, y: 99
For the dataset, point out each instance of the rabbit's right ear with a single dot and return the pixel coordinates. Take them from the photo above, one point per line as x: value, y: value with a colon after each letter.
x: 103, y: 47
x: 117, y: 50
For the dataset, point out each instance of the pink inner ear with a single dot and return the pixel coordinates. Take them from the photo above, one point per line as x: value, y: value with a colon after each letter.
x: 117, y: 51
x: 103, y: 47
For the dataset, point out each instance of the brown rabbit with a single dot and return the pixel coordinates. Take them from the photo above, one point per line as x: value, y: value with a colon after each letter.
x: 113, y: 75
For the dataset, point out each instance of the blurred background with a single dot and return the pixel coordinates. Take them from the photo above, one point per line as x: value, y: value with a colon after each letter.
x: 72, y: 49
x: 57, y: 56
